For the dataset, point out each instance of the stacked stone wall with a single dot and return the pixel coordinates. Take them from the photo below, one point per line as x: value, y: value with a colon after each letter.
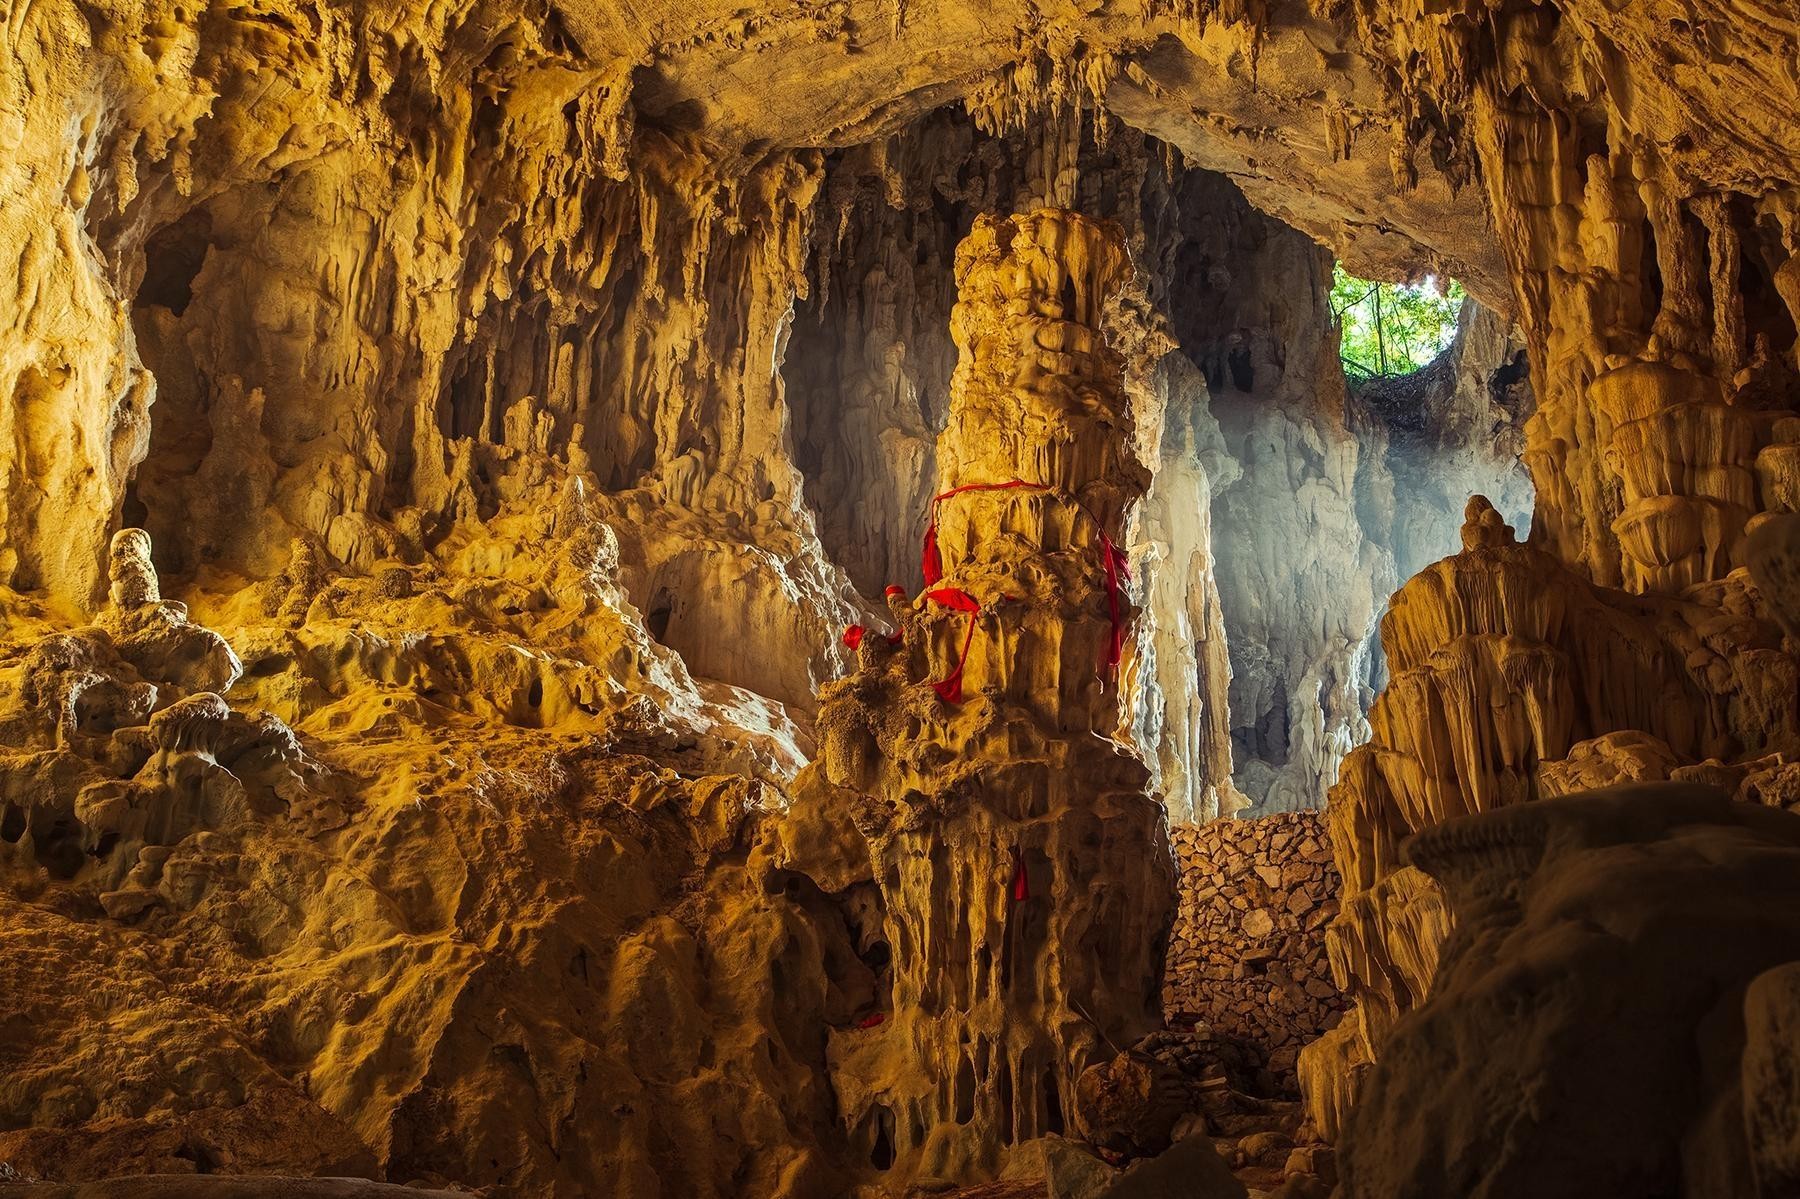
x: 1247, y: 955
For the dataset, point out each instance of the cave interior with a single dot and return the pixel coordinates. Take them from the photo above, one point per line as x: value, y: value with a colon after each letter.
x: 808, y: 601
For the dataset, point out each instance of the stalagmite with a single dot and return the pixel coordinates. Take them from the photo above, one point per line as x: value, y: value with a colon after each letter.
x: 1021, y: 869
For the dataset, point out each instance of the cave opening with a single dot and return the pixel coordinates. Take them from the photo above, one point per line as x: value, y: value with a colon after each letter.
x: 1393, y: 329
x: 882, y: 1152
x: 180, y: 435
x: 660, y: 613
x: 1310, y: 490
x: 173, y: 258
x: 1053, y: 1110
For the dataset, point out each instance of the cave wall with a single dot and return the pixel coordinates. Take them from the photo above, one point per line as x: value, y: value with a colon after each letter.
x: 1629, y: 640
x: 459, y: 291
x: 1300, y: 578
x: 1325, y: 497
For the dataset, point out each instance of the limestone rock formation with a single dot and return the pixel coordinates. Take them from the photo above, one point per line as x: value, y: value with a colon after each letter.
x: 287, y: 935
x: 1259, y: 587
x: 1506, y: 688
x: 441, y: 447
x: 1018, y: 865
x: 1626, y: 948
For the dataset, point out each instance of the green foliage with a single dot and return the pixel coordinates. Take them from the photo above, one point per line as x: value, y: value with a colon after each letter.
x: 1392, y: 328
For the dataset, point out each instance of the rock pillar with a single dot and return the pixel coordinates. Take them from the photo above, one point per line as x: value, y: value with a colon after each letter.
x: 1023, y: 871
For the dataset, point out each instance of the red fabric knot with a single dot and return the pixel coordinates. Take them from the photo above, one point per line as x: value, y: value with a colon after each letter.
x: 954, y: 597
x: 853, y: 636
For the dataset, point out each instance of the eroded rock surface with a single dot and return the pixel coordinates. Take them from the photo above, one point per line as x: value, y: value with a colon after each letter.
x: 420, y: 581
x: 289, y: 934
x: 1577, y: 924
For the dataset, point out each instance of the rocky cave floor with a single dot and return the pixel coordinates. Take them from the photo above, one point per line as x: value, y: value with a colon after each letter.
x: 1270, y: 1154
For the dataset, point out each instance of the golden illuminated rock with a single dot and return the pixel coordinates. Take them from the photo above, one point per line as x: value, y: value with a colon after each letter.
x: 443, y: 445
x: 1018, y: 871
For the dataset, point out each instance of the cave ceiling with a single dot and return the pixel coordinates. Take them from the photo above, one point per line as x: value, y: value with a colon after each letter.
x: 1305, y: 105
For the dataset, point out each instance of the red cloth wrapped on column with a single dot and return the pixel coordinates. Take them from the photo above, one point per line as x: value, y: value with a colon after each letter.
x: 949, y: 688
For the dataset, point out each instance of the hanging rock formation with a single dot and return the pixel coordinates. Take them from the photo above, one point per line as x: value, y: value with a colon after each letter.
x: 1019, y: 866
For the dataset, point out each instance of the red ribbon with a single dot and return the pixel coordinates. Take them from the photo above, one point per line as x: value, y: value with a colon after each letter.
x: 1021, y: 882
x: 949, y: 688
x: 931, y: 565
x: 1112, y: 559
x: 1116, y: 568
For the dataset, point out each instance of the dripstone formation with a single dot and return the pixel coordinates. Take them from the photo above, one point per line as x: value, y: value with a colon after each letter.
x: 1017, y: 864
x: 443, y: 446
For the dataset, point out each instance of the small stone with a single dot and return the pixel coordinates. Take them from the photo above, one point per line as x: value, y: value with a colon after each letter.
x: 1318, y: 1160
x: 1262, y: 1145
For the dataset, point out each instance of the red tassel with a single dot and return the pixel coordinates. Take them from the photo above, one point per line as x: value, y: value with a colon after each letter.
x: 931, y: 563
x: 1021, y: 882
x: 853, y: 636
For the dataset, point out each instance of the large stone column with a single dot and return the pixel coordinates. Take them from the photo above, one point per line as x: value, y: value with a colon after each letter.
x: 1024, y: 875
